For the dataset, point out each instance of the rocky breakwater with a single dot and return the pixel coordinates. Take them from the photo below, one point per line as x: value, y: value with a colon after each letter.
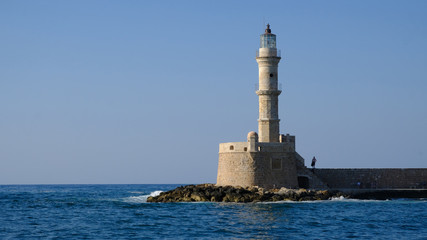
x: 212, y: 193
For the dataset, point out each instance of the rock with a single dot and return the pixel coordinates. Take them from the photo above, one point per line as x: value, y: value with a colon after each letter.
x: 212, y: 193
x: 196, y: 197
x: 285, y: 192
x: 276, y: 197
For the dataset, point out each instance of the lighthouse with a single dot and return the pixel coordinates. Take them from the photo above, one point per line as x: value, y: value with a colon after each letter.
x: 267, y: 159
x: 268, y: 92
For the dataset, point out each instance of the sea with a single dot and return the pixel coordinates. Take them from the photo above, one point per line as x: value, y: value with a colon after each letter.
x: 121, y: 212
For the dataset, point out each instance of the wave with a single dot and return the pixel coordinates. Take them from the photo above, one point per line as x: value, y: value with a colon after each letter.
x: 142, y: 198
x: 343, y: 199
x: 334, y: 199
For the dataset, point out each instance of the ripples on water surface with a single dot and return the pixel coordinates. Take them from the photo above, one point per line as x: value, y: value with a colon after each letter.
x: 120, y: 211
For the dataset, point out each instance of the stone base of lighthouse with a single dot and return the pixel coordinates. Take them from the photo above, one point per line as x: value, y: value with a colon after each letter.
x: 264, y: 164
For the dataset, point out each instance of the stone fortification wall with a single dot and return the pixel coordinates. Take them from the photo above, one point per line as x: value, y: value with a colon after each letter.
x: 236, y: 169
x: 267, y: 165
x: 275, y: 169
x: 263, y: 169
x: 233, y: 147
x: 374, y: 178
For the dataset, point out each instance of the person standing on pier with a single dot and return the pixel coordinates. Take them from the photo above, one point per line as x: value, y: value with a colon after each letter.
x: 313, y: 163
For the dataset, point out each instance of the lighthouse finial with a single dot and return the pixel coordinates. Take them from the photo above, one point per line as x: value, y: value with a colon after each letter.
x: 268, y: 30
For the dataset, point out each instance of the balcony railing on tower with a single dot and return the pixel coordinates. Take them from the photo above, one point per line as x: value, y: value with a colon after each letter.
x: 279, y: 53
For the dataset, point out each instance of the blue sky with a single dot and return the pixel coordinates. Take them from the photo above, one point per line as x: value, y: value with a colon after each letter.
x: 144, y: 91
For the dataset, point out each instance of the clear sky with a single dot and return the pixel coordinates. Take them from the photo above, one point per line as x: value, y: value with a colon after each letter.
x: 144, y: 91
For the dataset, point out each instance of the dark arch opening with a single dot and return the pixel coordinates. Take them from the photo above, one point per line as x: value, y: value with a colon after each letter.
x: 303, y: 182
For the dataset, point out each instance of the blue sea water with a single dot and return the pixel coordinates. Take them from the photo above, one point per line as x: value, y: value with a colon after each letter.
x: 121, y: 212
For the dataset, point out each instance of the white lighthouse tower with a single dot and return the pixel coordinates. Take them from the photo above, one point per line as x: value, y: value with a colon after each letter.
x: 268, y: 92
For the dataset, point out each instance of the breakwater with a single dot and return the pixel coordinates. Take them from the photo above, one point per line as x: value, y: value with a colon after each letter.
x: 384, y: 194
x: 373, y: 178
x: 213, y: 193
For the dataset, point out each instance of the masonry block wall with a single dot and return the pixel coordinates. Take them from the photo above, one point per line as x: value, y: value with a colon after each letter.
x: 267, y: 165
x: 236, y: 169
x: 263, y: 169
x: 275, y: 169
x: 374, y: 178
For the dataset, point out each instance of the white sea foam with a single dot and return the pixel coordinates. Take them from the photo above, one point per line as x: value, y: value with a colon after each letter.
x: 343, y: 199
x: 334, y: 199
x: 142, y: 198
x: 155, y: 193
x: 340, y: 198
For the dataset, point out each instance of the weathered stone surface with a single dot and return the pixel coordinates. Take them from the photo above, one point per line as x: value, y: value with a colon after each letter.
x: 374, y: 178
x: 212, y: 193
